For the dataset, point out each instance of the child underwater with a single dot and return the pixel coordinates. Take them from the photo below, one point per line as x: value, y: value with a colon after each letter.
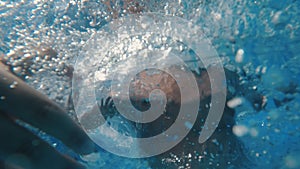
x: 222, y: 150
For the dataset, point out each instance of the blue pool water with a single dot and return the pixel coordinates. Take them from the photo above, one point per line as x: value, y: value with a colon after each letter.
x: 258, y: 39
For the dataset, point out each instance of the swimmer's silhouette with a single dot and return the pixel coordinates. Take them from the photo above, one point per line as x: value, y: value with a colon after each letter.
x: 221, y: 150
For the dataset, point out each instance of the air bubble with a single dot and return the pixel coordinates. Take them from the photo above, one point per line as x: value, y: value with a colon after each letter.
x: 13, y: 85
x: 239, y: 57
x: 233, y: 103
x: 240, y: 130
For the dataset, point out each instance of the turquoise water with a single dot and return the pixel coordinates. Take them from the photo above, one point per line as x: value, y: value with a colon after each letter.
x: 259, y: 39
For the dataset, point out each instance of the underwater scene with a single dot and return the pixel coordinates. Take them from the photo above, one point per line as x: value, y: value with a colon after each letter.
x: 150, y: 84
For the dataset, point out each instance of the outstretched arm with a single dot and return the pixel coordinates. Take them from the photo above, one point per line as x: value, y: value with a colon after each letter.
x: 20, y: 101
